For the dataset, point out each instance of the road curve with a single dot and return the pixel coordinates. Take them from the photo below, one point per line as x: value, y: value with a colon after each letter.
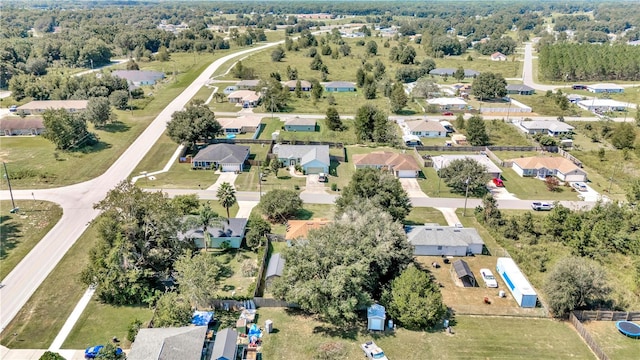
x: 77, y: 203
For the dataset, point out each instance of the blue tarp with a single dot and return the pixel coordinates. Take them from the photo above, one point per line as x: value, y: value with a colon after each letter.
x: 254, y: 332
x: 202, y: 318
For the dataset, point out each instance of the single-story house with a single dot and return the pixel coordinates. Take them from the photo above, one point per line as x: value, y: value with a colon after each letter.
x: 603, y: 105
x: 300, y: 124
x: 401, y: 165
x: 442, y: 161
x: 605, y: 88
x: 520, y: 89
x: 184, y: 343
x: 548, y: 127
x: 541, y: 167
x: 436, y: 240
x: 225, y: 346
x: 21, y: 126
x: 275, y: 268
x: 498, y: 56
x: 426, y: 128
x: 450, y: 71
x: 299, y: 229
x: 230, y: 231
x: 227, y: 157
x: 246, y: 98
x: 240, y: 125
x: 411, y: 140
x: 376, y: 315
x: 339, y: 86
x: 314, y: 159
x: 247, y: 84
x: 40, y: 106
x: 304, y: 85
x: 448, y: 103
x: 464, y: 273
x: 139, y: 77
x: 459, y: 139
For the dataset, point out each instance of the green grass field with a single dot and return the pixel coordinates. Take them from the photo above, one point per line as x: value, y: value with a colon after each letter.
x: 611, y: 341
x: 20, y: 232
x: 422, y: 215
x: 527, y: 188
x: 298, y: 336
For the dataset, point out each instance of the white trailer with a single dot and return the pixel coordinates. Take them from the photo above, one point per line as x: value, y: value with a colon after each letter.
x: 517, y: 283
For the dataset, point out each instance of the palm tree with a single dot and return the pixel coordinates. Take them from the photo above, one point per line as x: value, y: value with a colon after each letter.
x: 206, y: 218
x: 226, y: 196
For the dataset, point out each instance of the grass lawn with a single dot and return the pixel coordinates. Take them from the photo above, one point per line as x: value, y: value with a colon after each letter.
x: 341, y: 173
x: 347, y: 136
x: 42, y: 317
x: 34, y: 162
x: 431, y: 185
x: 236, y: 282
x: 527, y: 188
x: 542, y: 105
x: 99, y: 323
x: 20, y: 232
x: 180, y: 176
x: 248, y: 180
x: 611, y: 341
x: 298, y: 336
x: 422, y: 215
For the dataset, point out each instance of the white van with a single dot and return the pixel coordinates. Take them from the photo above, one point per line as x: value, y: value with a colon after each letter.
x: 541, y: 206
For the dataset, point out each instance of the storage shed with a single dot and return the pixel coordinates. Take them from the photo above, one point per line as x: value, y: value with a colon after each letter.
x: 376, y: 315
x: 463, y: 272
x: 517, y: 283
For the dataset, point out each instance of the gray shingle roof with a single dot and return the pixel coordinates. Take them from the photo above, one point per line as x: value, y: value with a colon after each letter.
x: 519, y: 87
x: 184, y: 343
x: 223, y: 153
x: 225, y: 345
x: 306, y: 153
x: 462, y: 269
x: 442, y: 235
x: 553, y: 125
x: 234, y: 228
x: 340, y: 84
x: 298, y: 121
x: 450, y: 71
x: 276, y: 265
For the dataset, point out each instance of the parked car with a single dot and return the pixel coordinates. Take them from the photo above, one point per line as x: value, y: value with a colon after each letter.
x: 92, y: 352
x: 579, y: 87
x: 541, y: 206
x: 447, y: 113
x: 580, y: 186
x: 322, y: 177
x: 498, y: 182
x: 13, y: 108
x: 372, y: 351
x: 488, y: 278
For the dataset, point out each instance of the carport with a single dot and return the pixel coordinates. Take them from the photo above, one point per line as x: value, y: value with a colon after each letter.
x: 463, y: 272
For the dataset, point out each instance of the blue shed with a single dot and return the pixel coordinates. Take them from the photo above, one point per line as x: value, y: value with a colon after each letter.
x: 376, y: 315
x: 517, y: 283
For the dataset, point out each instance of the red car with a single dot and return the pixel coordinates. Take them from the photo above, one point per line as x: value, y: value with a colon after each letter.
x: 498, y: 182
x: 447, y: 113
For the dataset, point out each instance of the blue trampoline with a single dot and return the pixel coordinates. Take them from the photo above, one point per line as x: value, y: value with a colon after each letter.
x: 629, y: 328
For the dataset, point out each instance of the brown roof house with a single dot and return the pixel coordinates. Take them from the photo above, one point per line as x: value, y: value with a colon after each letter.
x: 541, y: 167
x: 38, y: 107
x: 21, y: 126
x: 299, y: 229
x: 402, y: 165
x: 244, y: 98
x: 426, y: 128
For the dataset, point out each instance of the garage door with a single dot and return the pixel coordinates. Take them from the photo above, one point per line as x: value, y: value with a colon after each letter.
x: 231, y: 167
x: 576, y: 177
x: 315, y: 170
x: 406, y: 174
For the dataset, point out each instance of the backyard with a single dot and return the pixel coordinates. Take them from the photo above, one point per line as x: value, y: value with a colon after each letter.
x: 611, y: 341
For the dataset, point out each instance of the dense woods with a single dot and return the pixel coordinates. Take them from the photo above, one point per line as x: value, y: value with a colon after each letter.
x: 589, y: 62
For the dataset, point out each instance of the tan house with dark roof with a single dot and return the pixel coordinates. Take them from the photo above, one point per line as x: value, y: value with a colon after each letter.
x: 299, y: 229
x: 541, y: 167
x: 38, y: 107
x: 426, y: 128
x: 401, y: 165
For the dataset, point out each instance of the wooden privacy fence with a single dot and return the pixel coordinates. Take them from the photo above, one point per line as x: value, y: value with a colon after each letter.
x: 593, y: 345
x: 605, y: 315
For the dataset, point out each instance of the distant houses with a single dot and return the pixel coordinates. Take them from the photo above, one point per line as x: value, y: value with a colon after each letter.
x: 426, y: 128
x: 292, y: 84
x: 520, y: 89
x: 498, y: 56
x: 339, y: 86
x: 137, y: 78
x: 468, y: 73
x: 21, y: 126
x: 313, y: 159
x: 547, y: 127
x: 40, y: 106
x: 603, y: 105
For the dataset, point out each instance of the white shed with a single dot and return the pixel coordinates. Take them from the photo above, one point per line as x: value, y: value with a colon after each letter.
x: 376, y: 315
x: 517, y: 283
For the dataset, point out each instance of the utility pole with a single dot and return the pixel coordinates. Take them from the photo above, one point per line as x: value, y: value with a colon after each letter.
x: 466, y: 196
x: 14, y: 208
x: 260, y: 184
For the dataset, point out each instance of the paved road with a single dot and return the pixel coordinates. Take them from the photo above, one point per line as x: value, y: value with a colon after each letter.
x: 77, y: 202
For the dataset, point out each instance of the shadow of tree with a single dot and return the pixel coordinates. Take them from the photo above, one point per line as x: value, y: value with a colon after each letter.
x: 304, y: 214
x: 9, y: 231
x: 101, y: 145
x: 115, y: 127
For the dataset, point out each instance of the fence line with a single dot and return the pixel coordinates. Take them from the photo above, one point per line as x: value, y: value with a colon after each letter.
x: 593, y: 345
x: 552, y: 149
x: 489, y: 310
x: 261, y: 268
x: 566, y: 155
x: 606, y: 315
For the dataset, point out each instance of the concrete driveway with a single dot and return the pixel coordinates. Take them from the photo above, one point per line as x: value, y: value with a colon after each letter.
x: 591, y: 195
x: 500, y: 193
x: 314, y: 186
x: 412, y: 188
x: 227, y: 176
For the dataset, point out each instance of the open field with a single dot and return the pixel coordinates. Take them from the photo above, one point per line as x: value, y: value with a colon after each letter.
x: 20, y: 232
x: 298, y: 336
x: 611, y: 341
x: 99, y: 323
x: 34, y: 162
x: 346, y: 136
x: 42, y: 317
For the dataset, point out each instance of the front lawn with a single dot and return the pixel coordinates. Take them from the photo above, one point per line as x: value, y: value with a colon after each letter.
x: 20, y: 232
x: 423, y: 215
x: 528, y: 188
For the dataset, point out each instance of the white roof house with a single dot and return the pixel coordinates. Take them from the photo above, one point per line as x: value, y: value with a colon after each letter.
x: 605, y: 88
x: 452, y: 103
x: 603, y: 105
x: 550, y: 127
x: 442, y: 161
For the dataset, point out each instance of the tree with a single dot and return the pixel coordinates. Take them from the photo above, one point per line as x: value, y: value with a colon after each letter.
x: 398, y: 98
x: 163, y: 54
x: 345, y: 266
x: 623, y: 136
x: 198, y: 277
x: 98, y: 111
x: 119, y: 99
x: 488, y: 86
x: 132, y: 65
x: 633, y: 193
x: 381, y: 188
x: 49, y: 355
x: 371, y: 124
x: 258, y: 228
x: 552, y: 183
x: 316, y: 89
x: 476, y: 132
x: 275, y: 95
x: 345, y: 49
x: 371, y: 48
x: 460, y: 122
x: 316, y: 63
x: 278, y: 205
x: 424, y: 88
x: 227, y: 197
x: 333, y: 119
x: 361, y: 75
x: 172, y: 310
x: 275, y: 165
x: 414, y: 300
x: 185, y: 204
x: 459, y: 74
x: 298, y: 89
x: 110, y: 352
x: 575, y: 283
x: 195, y: 123
x: 66, y: 130
x: 488, y: 213
x: 277, y: 54
x: 455, y: 175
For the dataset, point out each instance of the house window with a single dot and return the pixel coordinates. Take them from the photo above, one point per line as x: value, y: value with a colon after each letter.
x: 439, y: 247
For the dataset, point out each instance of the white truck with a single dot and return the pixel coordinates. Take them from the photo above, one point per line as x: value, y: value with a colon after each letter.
x: 372, y: 351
